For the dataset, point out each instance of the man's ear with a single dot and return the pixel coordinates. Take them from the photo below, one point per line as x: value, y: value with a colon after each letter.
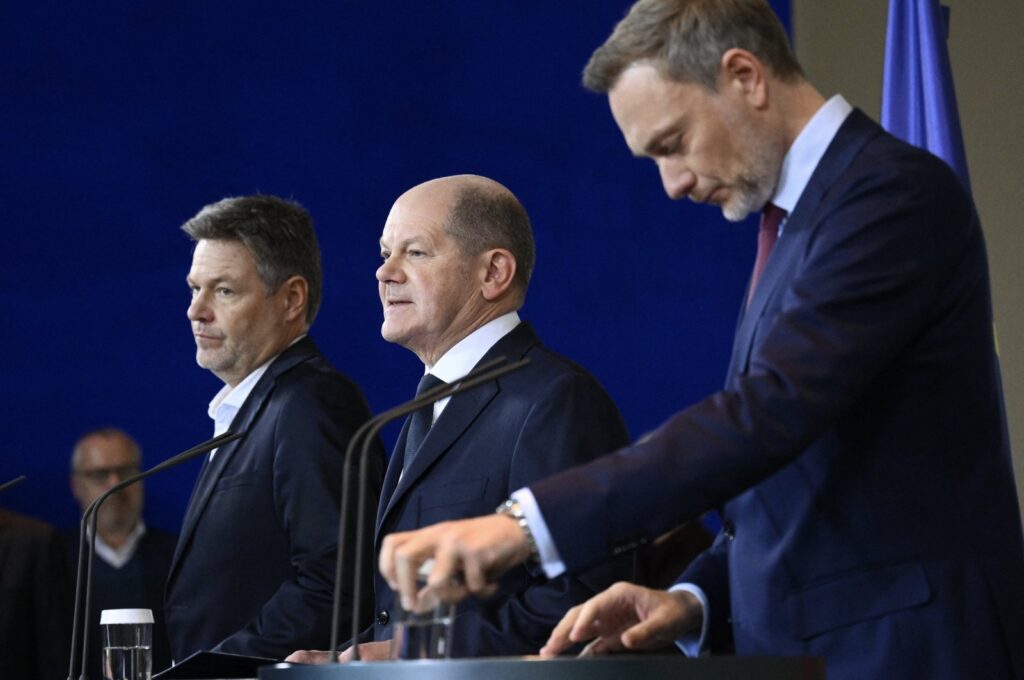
x: 296, y: 298
x: 743, y: 74
x: 498, y: 274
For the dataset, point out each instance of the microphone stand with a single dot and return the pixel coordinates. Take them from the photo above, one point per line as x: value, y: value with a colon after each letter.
x: 482, y: 374
x: 357, y: 438
x: 14, y: 482
x: 89, y: 520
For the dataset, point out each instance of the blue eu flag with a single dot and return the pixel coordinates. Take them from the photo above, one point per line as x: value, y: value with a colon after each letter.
x: 918, y: 100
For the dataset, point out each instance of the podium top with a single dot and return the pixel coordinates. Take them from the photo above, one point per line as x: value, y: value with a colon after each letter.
x: 532, y: 668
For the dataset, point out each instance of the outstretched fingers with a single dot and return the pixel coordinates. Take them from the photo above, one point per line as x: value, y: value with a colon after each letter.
x: 559, y: 639
x: 625, y: 616
x: 663, y: 617
x: 601, y: 619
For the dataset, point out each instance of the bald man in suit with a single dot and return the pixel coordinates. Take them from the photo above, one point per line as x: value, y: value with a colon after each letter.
x: 457, y: 257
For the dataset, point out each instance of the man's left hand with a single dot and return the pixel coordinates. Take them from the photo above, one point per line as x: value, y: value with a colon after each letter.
x: 626, y: 617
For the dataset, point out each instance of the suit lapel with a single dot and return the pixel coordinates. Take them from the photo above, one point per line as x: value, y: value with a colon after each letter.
x: 853, y: 134
x: 457, y: 417
x: 213, y: 471
x: 393, y: 473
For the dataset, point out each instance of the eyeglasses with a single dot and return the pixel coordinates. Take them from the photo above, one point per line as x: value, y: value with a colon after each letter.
x: 97, y: 475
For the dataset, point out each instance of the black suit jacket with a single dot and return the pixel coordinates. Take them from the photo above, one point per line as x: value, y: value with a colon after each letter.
x: 486, y: 444
x: 254, y: 567
x: 35, y: 600
x: 859, y: 443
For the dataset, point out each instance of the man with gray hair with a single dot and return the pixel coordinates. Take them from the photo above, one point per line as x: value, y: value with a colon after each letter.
x: 132, y: 559
x: 858, y: 448
x: 254, y: 567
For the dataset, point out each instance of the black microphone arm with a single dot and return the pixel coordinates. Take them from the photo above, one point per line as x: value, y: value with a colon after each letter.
x: 14, y: 482
x: 357, y: 438
x: 365, y: 436
x: 89, y: 519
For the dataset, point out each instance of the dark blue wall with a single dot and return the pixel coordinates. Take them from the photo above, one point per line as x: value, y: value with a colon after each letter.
x: 121, y: 119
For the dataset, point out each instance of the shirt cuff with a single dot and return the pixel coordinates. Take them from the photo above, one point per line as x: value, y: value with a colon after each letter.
x: 690, y: 644
x: 550, y: 561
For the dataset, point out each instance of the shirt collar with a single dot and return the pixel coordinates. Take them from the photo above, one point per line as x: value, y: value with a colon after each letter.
x: 118, y: 557
x: 466, y: 353
x: 806, y: 152
x: 228, y: 401
x: 226, y: 404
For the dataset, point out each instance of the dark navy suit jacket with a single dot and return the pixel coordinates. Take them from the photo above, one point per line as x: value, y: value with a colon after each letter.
x: 859, y: 445
x: 253, y: 571
x: 487, y: 443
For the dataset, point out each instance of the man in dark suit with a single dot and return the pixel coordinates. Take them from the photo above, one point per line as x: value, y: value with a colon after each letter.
x: 457, y: 257
x: 35, y: 600
x: 131, y: 564
x: 254, y: 567
x: 859, y: 445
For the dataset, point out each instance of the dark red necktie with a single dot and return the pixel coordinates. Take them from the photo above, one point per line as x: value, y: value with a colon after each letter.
x: 771, y: 218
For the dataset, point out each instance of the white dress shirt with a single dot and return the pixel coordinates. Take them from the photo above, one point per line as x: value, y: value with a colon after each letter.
x: 226, y: 404
x: 467, y: 353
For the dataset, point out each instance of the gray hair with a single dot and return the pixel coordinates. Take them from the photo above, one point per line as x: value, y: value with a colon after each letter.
x: 278, y: 233
x: 482, y: 218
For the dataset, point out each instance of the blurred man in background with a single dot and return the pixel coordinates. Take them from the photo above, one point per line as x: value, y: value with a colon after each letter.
x: 131, y: 559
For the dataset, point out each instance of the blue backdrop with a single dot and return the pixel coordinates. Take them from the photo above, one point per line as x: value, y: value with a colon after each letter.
x: 121, y: 119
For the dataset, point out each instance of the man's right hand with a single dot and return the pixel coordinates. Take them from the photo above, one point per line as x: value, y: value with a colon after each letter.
x: 626, y: 616
x: 310, y: 656
x: 469, y: 556
x: 369, y: 651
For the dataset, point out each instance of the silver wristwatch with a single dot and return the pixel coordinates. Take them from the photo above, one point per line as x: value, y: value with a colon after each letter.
x: 511, y: 508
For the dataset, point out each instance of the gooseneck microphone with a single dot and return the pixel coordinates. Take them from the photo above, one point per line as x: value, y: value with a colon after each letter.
x: 365, y: 436
x: 359, y: 437
x: 89, y: 520
x: 14, y: 482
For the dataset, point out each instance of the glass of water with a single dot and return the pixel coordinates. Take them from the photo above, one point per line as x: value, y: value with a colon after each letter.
x: 424, y: 634
x: 127, y: 644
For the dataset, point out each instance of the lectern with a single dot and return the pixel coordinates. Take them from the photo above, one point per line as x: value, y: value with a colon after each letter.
x: 534, y: 668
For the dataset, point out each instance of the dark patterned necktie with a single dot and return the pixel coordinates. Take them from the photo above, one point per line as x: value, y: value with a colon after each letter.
x: 420, y: 420
x: 771, y: 218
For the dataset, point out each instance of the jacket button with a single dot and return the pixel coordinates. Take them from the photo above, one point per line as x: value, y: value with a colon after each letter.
x: 383, y: 617
x: 728, y: 529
